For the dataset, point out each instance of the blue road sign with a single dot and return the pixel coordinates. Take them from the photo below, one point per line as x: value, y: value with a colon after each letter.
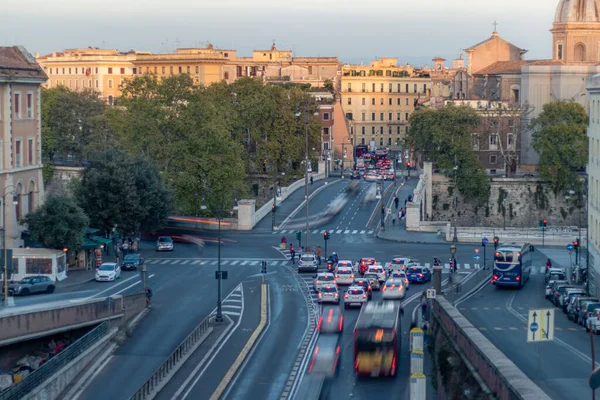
x: 534, y: 327
x: 570, y: 247
x: 485, y: 241
x: 476, y: 257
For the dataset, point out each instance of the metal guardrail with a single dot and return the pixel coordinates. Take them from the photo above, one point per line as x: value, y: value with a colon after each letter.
x: 53, y: 365
x: 172, y: 361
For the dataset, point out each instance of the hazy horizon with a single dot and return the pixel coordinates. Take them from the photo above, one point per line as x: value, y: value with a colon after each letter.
x: 348, y: 29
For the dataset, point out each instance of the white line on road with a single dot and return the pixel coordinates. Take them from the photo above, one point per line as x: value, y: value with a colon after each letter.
x: 221, y: 342
x: 338, y: 231
x: 166, y: 261
x: 92, y: 377
x: 112, y: 287
x: 254, y: 263
x: 176, y: 262
x: 196, y: 262
x: 370, y: 232
x: 232, y: 263
x: 354, y: 232
x: 244, y: 263
x: 362, y: 232
x: 185, y: 262
x: 346, y: 232
x: 130, y: 286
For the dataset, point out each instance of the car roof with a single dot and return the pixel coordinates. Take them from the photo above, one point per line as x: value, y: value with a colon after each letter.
x: 352, y: 287
x: 325, y: 274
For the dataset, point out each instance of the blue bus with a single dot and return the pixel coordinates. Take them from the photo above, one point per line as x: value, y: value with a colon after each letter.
x: 512, y: 264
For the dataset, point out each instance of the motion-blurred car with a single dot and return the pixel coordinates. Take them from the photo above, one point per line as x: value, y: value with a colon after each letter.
x: 401, y: 275
x: 355, y: 296
x: 378, y: 269
x: 373, y: 280
x: 344, y: 276
x: 108, y: 272
x: 131, y: 262
x: 329, y: 294
x: 418, y: 274
x: 393, y: 289
x: 30, y: 285
x: 398, y: 263
x: 331, y: 321
x: 164, y: 243
x: 366, y: 286
x: 371, y: 177
x: 345, y: 264
x: 355, y: 175
x: 323, y: 278
x: 308, y: 262
x: 364, y: 263
x: 326, y: 356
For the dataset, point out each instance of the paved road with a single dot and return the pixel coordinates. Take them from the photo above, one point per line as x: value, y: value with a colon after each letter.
x: 561, y: 368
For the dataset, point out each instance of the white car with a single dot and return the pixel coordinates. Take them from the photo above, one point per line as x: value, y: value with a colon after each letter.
x: 401, y: 275
x: 355, y: 296
x: 108, y: 272
x: 308, y: 262
x: 593, y: 323
x: 329, y: 294
x: 373, y: 280
x: 393, y: 289
x: 378, y: 269
x: 345, y: 264
x: 323, y: 278
x: 344, y: 276
x: 398, y: 263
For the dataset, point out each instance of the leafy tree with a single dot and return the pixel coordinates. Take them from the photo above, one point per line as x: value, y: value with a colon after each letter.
x: 328, y: 85
x: 66, y: 118
x: 118, y: 191
x: 559, y: 137
x: 59, y: 223
x: 443, y: 136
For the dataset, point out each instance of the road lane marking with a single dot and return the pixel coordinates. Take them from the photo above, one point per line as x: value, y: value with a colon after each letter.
x: 466, y: 266
x: 232, y: 263
x: 212, y: 353
x: 185, y: 262
x: 498, y: 328
x: 244, y: 353
x: 166, y: 261
x: 512, y: 328
x: 254, y: 263
x: 232, y: 313
x: 354, y: 232
x: 92, y: 377
x: 244, y: 263
x: 362, y: 232
x: 132, y: 285
x: 483, y: 328
x: 175, y: 261
x: 346, y: 232
x: 231, y: 306
x: 315, y: 231
x: 196, y: 262
x: 110, y: 288
x: 338, y: 231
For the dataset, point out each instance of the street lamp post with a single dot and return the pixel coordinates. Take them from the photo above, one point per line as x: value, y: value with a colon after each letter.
x: 306, y: 121
x: 504, y: 211
x: 5, y: 270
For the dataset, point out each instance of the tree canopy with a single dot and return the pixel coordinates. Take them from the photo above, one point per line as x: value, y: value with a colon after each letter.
x: 559, y: 137
x: 444, y: 135
x: 118, y: 191
x: 59, y: 223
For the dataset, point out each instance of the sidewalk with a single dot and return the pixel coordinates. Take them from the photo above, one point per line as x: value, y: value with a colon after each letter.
x: 398, y: 232
x: 76, y: 278
x: 287, y: 206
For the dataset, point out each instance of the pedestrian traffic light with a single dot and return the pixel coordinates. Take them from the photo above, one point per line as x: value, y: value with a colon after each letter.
x: 545, y: 223
x: 273, y: 207
x: 298, y: 235
x: 326, y: 235
x: 576, y: 244
x: 496, y: 242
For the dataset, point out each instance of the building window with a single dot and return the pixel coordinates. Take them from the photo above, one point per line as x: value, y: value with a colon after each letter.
x: 381, y: 88
x: 198, y: 71
x: 363, y: 101
x: 163, y: 70
x: 407, y: 88
x: 76, y: 83
x: 398, y: 117
x: 381, y: 141
x: 171, y: 70
x: 29, y: 105
x: 510, y: 141
x: 96, y: 83
x: 349, y: 100
x: 18, y: 153
x: 407, y: 101
x: 50, y: 71
x: 373, y: 101
x: 156, y: 70
x: 110, y: 100
x: 134, y: 71
x: 70, y: 83
x: 424, y: 88
x: 373, y: 87
x: 493, y: 159
x: 30, y: 202
x: 389, y: 141
x: 475, y: 142
x: 390, y: 101
x: 381, y: 116
x: 362, y: 141
x: 17, y: 107
x: 122, y: 71
x: 381, y: 101
x: 69, y: 71
x: 515, y: 95
x: 372, y: 116
x: 389, y: 130
x: 398, y: 130
x: 390, y: 86
x: 406, y: 116
x: 399, y: 88
x: 226, y: 75
x: 180, y: 69
x: 372, y: 130
x: 30, y: 152
x: 381, y: 130
x: 493, y: 141
x: 559, y: 51
x: 398, y: 102
x: 364, y: 116
x: 326, y: 116
x: 189, y: 70
x: 390, y: 116
x: 415, y: 88
x: 76, y: 71
x: 38, y: 266
x: 349, y: 87
x: 109, y: 71
x: 349, y: 116
x: 364, y: 88
x: 110, y: 83
x: 326, y: 131
x: 363, y: 132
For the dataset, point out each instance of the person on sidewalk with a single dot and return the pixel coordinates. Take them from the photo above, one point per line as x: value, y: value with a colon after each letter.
x: 319, y: 255
x: 311, y: 180
x: 292, y: 253
x: 148, y: 297
x: 396, y: 201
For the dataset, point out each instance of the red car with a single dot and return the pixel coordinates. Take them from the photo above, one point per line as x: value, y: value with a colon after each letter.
x: 364, y: 263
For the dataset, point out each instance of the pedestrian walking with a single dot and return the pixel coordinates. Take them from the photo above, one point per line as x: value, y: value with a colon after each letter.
x: 148, y: 297
x: 396, y: 201
x: 292, y: 253
x: 311, y: 180
x: 405, y: 201
x: 319, y: 255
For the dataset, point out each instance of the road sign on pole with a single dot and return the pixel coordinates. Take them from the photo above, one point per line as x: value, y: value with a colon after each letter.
x: 570, y: 252
x: 476, y: 257
x: 485, y: 241
x: 476, y: 250
x: 570, y: 247
x: 431, y: 293
x: 540, y: 325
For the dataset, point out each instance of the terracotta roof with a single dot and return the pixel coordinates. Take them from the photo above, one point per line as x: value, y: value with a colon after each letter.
x: 16, y: 62
x: 512, y: 67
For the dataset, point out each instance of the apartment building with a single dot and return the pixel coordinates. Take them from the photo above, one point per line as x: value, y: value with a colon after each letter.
x: 20, y: 139
x: 378, y: 100
x: 593, y: 170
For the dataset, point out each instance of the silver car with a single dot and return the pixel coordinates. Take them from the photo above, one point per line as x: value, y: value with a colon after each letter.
x: 164, y: 243
x: 355, y: 296
x: 329, y: 294
x: 373, y: 280
x: 324, y: 278
x: 308, y: 262
x: 394, y: 289
x: 31, y: 284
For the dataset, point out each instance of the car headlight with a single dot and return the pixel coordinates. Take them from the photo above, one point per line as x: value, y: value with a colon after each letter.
x: 18, y: 288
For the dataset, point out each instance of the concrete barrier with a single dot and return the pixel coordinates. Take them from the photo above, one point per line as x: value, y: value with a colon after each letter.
x: 491, y: 367
x: 553, y: 236
x: 24, y: 323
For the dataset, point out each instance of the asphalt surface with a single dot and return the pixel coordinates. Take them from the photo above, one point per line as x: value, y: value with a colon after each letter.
x: 560, y: 367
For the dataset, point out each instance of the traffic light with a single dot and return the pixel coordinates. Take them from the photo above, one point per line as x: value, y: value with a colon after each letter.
x: 298, y: 235
x: 545, y: 223
x: 273, y: 208
x: 383, y: 209
x: 576, y: 244
x: 496, y: 240
x: 263, y: 269
x: 326, y: 235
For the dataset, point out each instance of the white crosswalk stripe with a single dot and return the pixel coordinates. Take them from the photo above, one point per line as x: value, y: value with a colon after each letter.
x: 254, y: 263
x: 339, y: 231
x: 176, y: 261
x: 244, y: 263
x: 166, y: 262
x: 322, y: 231
x: 232, y: 304
x: 315, y: 232
x: 354, y: 232
x: 362, y: 232
x: 467, y: 266
x: 346, y: 232
x: 185, y: 262
x: 370, y: 232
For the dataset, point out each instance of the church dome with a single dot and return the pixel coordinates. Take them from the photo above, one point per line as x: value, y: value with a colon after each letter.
x: 586, y: 11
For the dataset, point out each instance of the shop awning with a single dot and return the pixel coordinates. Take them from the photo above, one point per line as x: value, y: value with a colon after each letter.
x: 102, y: 240
x: 89, y: 244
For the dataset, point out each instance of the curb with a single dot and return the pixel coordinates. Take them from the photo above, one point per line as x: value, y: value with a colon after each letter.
x: 408, y: 241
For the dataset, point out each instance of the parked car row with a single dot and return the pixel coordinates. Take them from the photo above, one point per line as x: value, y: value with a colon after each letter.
x: 573, y: 300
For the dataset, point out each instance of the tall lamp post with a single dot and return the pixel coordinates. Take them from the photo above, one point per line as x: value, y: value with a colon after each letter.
x: 220, y: 275
x: 5, y: 270
x: 275, y: 199
x: 306, y: 171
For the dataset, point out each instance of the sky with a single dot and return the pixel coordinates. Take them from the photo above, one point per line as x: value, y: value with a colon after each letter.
x: 353, y: 30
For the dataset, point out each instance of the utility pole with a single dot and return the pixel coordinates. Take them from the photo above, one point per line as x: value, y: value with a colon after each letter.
x: 306, y: 177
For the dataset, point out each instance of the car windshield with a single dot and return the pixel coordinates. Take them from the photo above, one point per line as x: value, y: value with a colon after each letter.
x: 327, y: 278
x: 344, y: 264
x: 308, y: 258
x: 132, y: 257
x: 107, y: 267
x: 371, y: 276
x: 557, y: 276
x: 329, y: 289
x: 415, y: 270
x: 164, y: 239
x: 593, y: 306
x: 394, y: 282
x: 355, y: 291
